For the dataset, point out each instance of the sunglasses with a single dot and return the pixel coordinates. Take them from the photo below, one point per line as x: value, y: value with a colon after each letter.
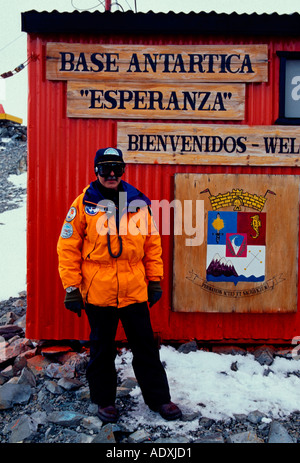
x: 104, y: 170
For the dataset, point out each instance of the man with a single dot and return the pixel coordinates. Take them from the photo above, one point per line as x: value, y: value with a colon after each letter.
x: 109, y: 249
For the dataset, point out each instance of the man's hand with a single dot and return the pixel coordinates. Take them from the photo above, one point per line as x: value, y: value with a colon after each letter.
x: 74, y: 302
x: 154, y: 292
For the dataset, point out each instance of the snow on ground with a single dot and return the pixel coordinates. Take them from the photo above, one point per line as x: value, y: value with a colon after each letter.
x: 203, y: 381
x: 13, y: 246
x: 199, y: 381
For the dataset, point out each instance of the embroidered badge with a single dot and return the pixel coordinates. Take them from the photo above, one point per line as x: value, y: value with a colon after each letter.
x: 71, y: 214
x: 91, y: 210
x: 112, y: 151
x: 67, y: 231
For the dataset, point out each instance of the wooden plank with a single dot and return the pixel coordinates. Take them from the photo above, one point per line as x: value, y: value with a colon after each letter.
x: 209, y: 144
x: 156, y: 101
x: 267, y: 283
x: 172, y: 63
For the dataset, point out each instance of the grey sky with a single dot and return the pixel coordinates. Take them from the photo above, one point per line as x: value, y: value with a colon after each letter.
x: 13, y: 46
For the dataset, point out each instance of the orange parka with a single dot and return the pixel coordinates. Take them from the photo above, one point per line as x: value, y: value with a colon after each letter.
x: 110, y: 253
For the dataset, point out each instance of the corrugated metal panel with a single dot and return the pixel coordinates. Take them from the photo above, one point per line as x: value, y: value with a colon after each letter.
x: 61, y: 151
x: 147, y: 24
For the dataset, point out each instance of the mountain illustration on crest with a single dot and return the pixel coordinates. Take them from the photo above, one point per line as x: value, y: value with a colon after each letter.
x: 220, y: 266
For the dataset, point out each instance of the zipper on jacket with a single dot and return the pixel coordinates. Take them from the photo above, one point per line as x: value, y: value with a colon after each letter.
x: 92, y: 250
x: 117, y: 283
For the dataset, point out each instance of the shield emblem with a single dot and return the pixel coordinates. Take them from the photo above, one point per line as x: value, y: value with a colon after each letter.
x: 236, y: 246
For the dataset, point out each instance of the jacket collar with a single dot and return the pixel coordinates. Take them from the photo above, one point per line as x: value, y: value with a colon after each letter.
x: 96, y: 193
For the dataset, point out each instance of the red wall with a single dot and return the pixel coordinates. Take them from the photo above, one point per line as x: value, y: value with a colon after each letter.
x: 60, y: 165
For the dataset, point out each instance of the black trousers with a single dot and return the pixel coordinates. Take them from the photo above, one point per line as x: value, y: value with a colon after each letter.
x: 101, y: 372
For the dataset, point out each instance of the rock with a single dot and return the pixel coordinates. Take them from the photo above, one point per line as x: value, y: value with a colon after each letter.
x: 39, y: 417
x: 139, y: 436
x: 8, y: 319
x: 92, y: 423
x: 279, y: 435
x: 50, y: 432
x: 267, y: 371
x: 70, y: 384
x: 21, y: 322
x: 264, y: 355
x: 11, y: 394
x: 189, y: 415
x: 172, y: 440
x: 210, y: 439
x: 85, y: 438
x: 92, y: 408
x: 8, y: 331
x: 8, y: 372
x: 53, y: 387
x: 129, y: 382
x: 188, y: 347
x: 13, y: 380
x: 228, y: 350
x: 123, y: 391
x: 2, y: 379
x: 285, y: 353
x: 240, y: 417
x: 55, y: 370
x: 24, y: 429
x: 65, y: 418
x: 255, y: 417
x: 55, y: 350
x: 11, y: 350
x: 234, y: 366
x: 75, y: 361
x: 125, y: 428
x: 27, y: 377
x: 83, y: 393
x: 20, y: 361
x: 38, y: 365
x: 246, y: 437
x: 126, y: 387
x: 105, y: 436
x: 206, y: 422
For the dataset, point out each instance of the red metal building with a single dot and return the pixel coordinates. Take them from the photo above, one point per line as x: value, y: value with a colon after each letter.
x: 61, y: 150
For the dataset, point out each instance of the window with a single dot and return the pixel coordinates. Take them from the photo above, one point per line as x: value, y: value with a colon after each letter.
x: 289, y: 88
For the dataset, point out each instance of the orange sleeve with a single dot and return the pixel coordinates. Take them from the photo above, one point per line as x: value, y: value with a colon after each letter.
x: 70, y: 244
x: 153, y: 252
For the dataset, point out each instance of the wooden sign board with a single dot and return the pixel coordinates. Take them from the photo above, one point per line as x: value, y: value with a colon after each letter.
x: 159, y: 101
x: 166, y: 63
x: 214, y: 144
x: 248, y: 260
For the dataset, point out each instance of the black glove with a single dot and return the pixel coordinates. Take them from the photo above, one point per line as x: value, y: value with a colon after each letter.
x: 74, y: 302
x: 154, y: 292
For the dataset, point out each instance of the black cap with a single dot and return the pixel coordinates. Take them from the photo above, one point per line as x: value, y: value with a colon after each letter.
x: 108, y: 155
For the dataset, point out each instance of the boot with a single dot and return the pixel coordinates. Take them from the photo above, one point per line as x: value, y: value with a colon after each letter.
x: 168, y: 411
x: 108, y: 414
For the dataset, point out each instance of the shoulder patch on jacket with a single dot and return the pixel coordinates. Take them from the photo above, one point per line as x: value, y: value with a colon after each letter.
x: 71, y: 214
x: 67, y: 231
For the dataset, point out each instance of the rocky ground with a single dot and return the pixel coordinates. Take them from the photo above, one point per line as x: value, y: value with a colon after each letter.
x: 13, y: 160
x: 44, y: 396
